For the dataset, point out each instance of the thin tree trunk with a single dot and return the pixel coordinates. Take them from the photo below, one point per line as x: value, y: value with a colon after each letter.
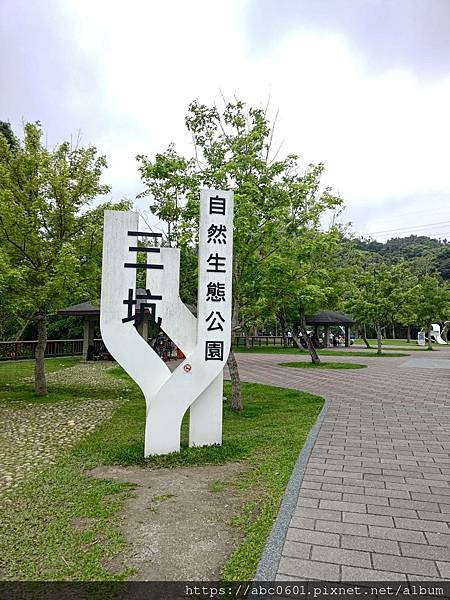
x: 312, y: 351
x: 408, y: 333
x: 236, y: 397
x: 364, y: 337
x: 379, y: 338
x: 430, y: 343
x: 393, y: 332
x: 283, y: 328
x: 40, y: 383
x: 297, y: 342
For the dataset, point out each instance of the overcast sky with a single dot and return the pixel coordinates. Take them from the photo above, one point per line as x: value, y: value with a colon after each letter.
x: 361, y: 85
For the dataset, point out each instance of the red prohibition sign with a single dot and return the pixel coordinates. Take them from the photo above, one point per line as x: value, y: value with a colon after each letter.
x: 187, y: 368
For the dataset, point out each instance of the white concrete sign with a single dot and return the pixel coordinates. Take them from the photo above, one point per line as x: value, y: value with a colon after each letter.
x: 205, y: 341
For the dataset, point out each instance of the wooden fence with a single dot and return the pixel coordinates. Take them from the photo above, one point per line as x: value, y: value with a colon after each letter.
x: 259, y: 340
x: 17, y: 350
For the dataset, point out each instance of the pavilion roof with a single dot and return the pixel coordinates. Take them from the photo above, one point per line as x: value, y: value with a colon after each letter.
x: 329, y: 317
x: 83, y: 309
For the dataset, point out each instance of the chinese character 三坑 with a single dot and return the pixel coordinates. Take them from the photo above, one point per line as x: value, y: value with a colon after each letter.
x: 213, y: 350
x: 138, y: 317
x: 217, y: 234
x: 216, y: 261
x: 216, y: 206
x: 143, y: 249
x: 215, y: 321
x: 215, y: 292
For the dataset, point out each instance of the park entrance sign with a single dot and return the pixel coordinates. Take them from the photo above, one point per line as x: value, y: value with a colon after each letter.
x: 205, y: 341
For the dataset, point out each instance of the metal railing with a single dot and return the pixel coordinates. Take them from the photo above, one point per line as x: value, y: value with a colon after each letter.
x: 259, y: 340
x: 17, y: 350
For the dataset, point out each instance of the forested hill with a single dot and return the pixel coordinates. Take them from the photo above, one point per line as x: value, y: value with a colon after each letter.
x: 429, y: 254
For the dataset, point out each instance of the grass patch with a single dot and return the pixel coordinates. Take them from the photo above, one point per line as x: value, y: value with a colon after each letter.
x: 216, y: 487
x: 16, y: 379
x: 156, y: 501
x: 322, y: 365
x: 39, y: 539
x: 320, y: 351
x: 370, y: 353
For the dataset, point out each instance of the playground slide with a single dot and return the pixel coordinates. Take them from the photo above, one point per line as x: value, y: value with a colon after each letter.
x: 435, y: 334
x: 438, y: 339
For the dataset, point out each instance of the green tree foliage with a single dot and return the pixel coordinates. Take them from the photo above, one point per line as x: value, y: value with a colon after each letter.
x: 8, y: 134
x: 432, y: 302
x: 274, y: 199
x: 427, y: 255
x: 301, y: 278
x: 46, y: 242
x: 382, y: 294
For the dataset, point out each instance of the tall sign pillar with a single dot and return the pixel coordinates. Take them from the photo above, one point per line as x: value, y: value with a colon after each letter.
x: 205, y: 341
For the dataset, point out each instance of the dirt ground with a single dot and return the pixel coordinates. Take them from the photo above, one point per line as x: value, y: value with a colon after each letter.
x: 177, y: 524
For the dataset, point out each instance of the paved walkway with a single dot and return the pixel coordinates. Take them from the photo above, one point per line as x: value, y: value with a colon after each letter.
x: 374, y: 502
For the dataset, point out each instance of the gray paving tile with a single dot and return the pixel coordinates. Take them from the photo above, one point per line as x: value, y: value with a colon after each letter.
x: 379, y: 471
x: 308, y: 569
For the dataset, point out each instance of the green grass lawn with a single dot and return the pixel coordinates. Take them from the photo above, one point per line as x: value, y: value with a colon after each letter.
x: 322, y: 365
x: 412, y: 345
x: 320, y: 351
x: 16, y: 381
x: 40, y: 538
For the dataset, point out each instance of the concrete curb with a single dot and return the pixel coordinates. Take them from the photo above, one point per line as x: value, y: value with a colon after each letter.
x: 270, y: 558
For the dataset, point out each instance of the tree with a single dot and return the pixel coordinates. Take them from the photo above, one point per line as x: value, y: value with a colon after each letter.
x: 7, y: 132
x: 381, y: 294
x: 44, y: 237
x: 273, y: 198
x: 301, y: 278
x: 432, y: 303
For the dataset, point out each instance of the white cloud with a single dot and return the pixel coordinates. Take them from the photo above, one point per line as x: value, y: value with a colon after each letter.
x: 383, y: 138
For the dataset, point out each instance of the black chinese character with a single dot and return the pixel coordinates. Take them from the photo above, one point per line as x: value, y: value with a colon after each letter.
x: 216, y: 261
x: 214, y: 351
x: 216, y: 205
x: 217, y: 234
x: 215, y: 292
x: 138, y: 317
x: 143, y: 249
x: 215, y: 321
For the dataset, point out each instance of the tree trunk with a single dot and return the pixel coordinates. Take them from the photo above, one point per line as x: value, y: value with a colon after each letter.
x: 393, y: 332
x: 40, y: 383
x: 408, y: 333
x: 236, y: 398
x: 297, y: 342
x: 364, y: 337
x: 312, y: 351
x: 379, y: 338
x: 430, y: 343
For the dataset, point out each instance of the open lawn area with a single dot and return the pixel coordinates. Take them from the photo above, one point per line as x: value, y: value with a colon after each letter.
x: 60, y: 523
x: 412, y: 345
x: 322, y: 365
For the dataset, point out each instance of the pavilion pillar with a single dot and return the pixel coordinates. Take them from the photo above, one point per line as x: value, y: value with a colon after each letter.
x: 347, y: 336
x: 326, y: 339
x: 88, y: 335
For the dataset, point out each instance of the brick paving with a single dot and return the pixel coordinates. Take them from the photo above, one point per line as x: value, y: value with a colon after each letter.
x: 374, y: 502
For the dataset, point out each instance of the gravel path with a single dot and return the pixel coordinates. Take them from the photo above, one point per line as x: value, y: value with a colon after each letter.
x: 32, y: 435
